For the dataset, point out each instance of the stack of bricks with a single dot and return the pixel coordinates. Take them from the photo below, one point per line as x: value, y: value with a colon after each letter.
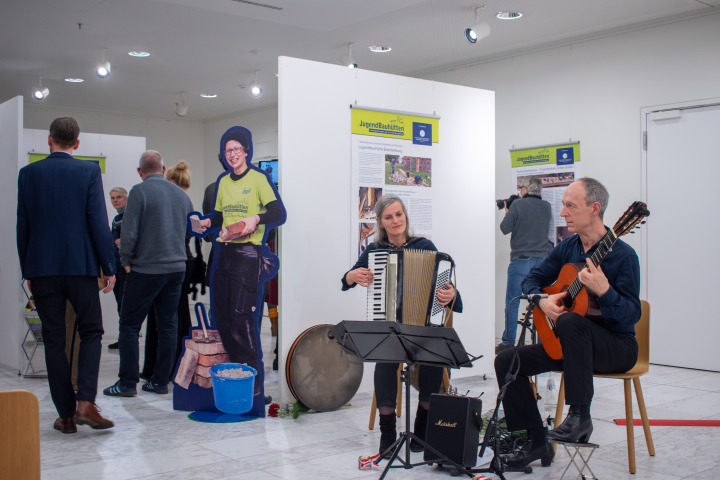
x: 202, y: 351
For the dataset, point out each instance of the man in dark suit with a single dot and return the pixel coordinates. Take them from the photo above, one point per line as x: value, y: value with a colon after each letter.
x: 63, y: 242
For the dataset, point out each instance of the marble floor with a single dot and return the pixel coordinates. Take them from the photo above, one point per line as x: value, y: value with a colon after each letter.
x: 151, y: 441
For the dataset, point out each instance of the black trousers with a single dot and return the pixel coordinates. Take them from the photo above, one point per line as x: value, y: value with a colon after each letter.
x: 236, y: 300
x: 119, y: 288
x: 51, y: 295
x: 587, y: 348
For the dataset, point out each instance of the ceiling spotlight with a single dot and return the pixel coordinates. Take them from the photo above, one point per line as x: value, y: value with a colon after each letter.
x: 181, y: 107
x: 347, y: 60
x: 478, y: 31
x: 103, y: 68
x: 139, y: 54
x: 379, y: 49
x: 74, y: 80
x: 511, y: 15
x: 208, y: 95
x: 256, y: 90
x: 40, y: 93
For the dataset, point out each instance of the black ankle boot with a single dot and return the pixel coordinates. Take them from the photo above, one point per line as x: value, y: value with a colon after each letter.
x: 388, y: 434
x: 531, y: 451
x: 421, y: 418
x: 576, y: 428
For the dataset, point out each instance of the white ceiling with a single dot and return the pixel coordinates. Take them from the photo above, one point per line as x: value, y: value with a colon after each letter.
x: 215, y: 46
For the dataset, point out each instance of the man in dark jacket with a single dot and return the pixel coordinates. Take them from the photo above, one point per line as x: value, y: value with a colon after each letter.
x: 63, y: 243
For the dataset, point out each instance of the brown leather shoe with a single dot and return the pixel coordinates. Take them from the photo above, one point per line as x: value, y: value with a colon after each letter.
x: 87, y: 414
x: 65, y: 425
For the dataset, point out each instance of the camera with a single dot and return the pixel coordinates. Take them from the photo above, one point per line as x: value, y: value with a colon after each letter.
x: 501, y: 203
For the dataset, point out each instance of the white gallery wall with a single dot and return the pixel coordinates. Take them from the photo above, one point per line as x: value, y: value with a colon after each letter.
x: 315, y: 178
x: 593, y: 92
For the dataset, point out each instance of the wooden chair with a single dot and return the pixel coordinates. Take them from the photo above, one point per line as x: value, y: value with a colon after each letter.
x: 398, y: 410
x: 642, y: 334
x: 20, y: 439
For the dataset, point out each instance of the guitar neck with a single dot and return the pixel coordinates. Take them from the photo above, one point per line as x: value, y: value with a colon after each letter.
x: 601, y: 252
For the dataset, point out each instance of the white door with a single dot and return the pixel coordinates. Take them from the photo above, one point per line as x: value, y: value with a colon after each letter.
x: 683, y: 235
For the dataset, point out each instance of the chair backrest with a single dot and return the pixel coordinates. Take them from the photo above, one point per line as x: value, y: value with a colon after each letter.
x: 20, y: 439
x: 642, y: 335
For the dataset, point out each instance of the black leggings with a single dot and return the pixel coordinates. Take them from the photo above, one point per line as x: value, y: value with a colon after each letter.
x: 429, y: 380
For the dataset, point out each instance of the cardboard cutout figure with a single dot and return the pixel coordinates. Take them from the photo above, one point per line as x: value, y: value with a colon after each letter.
x: 247, y: 206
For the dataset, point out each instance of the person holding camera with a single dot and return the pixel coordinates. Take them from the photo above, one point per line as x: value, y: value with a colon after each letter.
x: 527, y: 220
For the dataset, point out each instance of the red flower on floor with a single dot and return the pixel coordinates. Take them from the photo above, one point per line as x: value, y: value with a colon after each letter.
x: 273, y: 410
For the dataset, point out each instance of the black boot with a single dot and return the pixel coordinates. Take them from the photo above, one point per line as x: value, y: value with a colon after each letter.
x: 536, y: 448
x: 388, y: 434
x: 576, y: 428
x: 421, y: 419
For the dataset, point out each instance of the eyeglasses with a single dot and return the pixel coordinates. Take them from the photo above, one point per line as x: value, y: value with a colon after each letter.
x: 235, y: 150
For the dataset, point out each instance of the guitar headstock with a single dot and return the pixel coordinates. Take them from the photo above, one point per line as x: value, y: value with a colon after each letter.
x: 633, y: 216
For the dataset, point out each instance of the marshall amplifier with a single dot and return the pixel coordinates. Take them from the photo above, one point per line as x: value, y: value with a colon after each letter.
x: 453, y: 429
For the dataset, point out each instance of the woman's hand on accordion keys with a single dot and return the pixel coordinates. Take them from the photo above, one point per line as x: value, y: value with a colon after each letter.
x: 446, y: 294
x: 361, y: 276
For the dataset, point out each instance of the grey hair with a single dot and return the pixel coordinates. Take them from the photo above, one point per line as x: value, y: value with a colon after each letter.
x: 382, y: 203
x: 119, y: 190
x: 595, y: 192
x: 533, y: 184
x: 151, y: 162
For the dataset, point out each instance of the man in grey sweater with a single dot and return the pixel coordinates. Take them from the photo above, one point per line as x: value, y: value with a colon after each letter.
x: 528, y: 221
x: 152, y: 252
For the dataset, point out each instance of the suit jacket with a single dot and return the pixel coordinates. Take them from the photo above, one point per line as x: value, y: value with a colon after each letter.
x: 62, y: 223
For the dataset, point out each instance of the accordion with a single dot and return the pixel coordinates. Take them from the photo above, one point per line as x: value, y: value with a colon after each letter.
x: 405, y: 285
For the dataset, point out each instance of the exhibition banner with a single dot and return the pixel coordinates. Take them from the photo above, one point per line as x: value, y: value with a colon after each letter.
x: 555, y: 155
x: 557, y: 166
x: 392, y: 152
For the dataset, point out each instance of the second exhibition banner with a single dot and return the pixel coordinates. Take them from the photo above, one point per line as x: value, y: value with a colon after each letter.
x: 557, y: 166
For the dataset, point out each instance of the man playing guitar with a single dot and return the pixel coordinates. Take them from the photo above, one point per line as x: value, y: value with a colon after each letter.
x: 604, y: 343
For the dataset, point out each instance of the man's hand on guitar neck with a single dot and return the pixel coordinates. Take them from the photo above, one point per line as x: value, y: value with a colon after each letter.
x: 552, y: 306
x: 594, y: 279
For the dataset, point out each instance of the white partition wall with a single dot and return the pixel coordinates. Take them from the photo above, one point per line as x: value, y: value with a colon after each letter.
x: 315, y: 179
x: 11, y: 121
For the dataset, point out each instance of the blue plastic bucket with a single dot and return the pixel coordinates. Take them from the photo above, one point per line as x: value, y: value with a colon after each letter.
x: 233, y: 395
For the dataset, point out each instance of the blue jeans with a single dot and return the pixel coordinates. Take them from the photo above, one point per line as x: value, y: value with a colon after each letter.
x: 517, y: 271
x: 143, y: 291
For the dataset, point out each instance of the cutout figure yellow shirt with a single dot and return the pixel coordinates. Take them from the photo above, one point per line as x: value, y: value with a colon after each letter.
x: 238, y: 199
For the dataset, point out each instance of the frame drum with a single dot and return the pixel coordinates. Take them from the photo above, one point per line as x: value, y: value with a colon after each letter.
x: 318, y: 373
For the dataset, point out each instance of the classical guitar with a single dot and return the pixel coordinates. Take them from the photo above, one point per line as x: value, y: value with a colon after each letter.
x: 578, y: 299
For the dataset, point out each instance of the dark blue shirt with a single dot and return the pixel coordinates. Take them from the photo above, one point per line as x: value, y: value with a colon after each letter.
x: 620, y: 305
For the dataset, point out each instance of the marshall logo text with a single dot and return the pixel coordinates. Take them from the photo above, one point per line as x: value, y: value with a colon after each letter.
x: 440, y: 423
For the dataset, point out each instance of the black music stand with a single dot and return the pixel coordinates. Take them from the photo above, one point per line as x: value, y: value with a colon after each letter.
x: 390, y: 342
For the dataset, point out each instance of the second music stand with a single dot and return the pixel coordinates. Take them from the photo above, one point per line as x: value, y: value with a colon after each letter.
x: 390, y: 342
